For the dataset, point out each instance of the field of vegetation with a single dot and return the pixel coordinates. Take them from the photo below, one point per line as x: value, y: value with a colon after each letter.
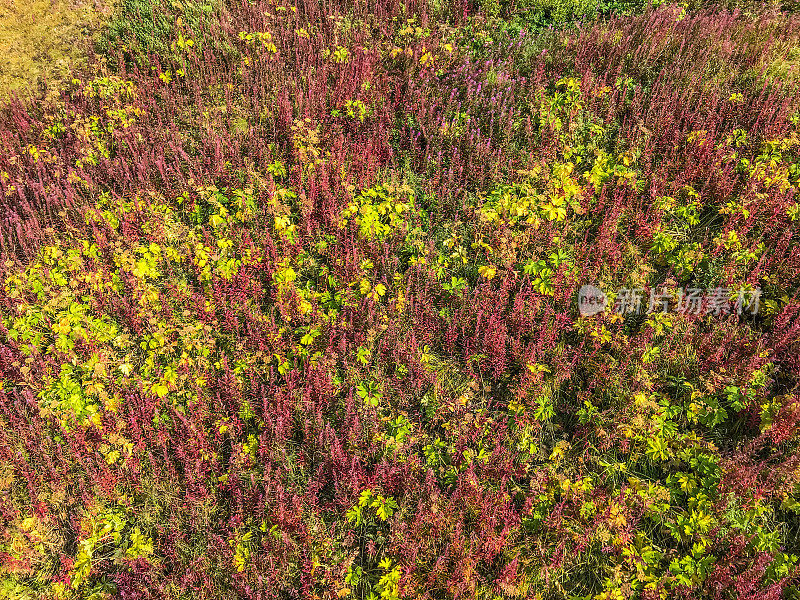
x: 290, y: 304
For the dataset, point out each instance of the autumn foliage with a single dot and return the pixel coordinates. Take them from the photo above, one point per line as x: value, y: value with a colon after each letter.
x: 289, y: 306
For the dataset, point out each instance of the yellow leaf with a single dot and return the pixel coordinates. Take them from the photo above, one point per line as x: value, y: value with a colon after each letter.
x: 63, y: 326
x: 487, y: 271
x: 112, y: 404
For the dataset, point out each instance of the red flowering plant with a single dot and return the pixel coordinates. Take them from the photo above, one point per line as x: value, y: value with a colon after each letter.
x: 289, y: 306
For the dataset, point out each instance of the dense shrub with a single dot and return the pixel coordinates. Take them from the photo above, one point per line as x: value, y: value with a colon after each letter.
x: 289, y: 307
